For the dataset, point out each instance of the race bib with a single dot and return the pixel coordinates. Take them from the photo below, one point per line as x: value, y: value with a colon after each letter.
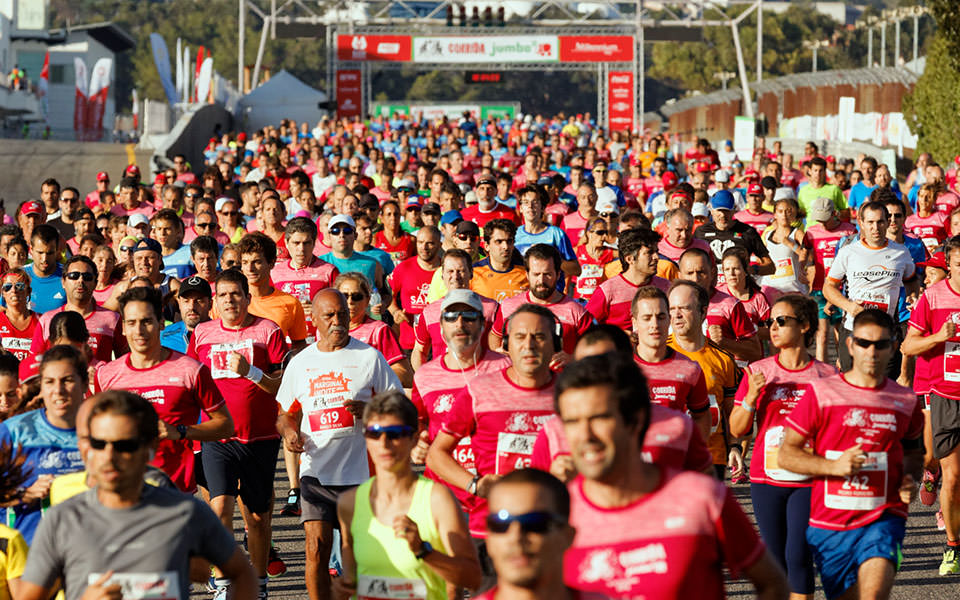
x: 872, y: 299
x: 331, y: 418
x: 951, y: 361
x: 771, y: 447
x: 370, y: 587
x: 931, y: 243
x: 514, y: 451
x: 300, y: 291
x: 463, y: 454
x: 147, y: 586
x: 220, y: 353
x: 19, y: 347
x: 784, y: 268
x: 866, y: 490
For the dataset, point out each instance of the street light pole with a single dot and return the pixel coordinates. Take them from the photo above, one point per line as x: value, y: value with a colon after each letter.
x: 869, y: 46
x: 724, y: 77
x: 883, y: 43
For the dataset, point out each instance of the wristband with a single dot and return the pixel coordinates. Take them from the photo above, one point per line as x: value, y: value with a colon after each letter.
x: 255, y: 374
x: 743, y: 405
x: 472, y: 488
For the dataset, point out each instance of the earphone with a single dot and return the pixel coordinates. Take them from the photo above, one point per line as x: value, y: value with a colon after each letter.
x: 557, y: 325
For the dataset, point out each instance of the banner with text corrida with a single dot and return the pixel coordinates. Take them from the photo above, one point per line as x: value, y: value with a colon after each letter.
x: 474, y: 49
x: 620, y: 101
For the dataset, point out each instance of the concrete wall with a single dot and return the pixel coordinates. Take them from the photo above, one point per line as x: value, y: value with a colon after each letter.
x: 192, y: 132
x: 26, y: 163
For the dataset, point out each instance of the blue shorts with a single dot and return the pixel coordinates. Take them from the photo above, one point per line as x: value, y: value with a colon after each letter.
x: 839, y: 554
x: 836, y: 316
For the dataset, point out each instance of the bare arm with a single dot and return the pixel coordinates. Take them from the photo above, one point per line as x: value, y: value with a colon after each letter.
x: 440, y: 460
x: 831, y: 291
x: 792, y: 457
x: 404, y: 372
x: 418, y: 357
x: 570, y: 267
x: 218, y: 427
x: 749, y: 349
x: 346, y: 584
x: 768, y: 579
x: 917, y: 343
x: 288, y: 426
x: 243, y: 581
x: 702, y: 421
x: 494, y: 340
x: 765, y: 266
x: 741, y: 417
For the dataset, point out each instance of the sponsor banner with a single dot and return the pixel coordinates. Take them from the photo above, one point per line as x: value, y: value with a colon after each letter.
x: 349, y: 93
x: 80, y: 97
x: 373, y: 47
x: 620, y: 102
x: 596, y: 48
x: 161, y: 58
x: 482, y: 49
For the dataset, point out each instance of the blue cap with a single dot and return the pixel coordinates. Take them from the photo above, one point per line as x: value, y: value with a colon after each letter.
x: 723, y: 200
x: 148, y: 244
x: 545, y: 180
x: 450, y: 217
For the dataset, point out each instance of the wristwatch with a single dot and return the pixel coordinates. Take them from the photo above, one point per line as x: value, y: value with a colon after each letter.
x: 182, y: 430
x: 424, y: 551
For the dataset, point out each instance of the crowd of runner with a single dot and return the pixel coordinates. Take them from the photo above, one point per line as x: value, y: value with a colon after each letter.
x: 509, y: 359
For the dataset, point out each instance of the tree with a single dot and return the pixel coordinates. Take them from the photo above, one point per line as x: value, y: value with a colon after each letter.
x: 933, y: 108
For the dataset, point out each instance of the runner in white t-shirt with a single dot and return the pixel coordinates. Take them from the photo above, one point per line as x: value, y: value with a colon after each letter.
x: 874, y: 269
x: 323, y: 392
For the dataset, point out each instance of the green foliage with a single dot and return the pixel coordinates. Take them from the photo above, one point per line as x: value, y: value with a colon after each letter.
x: 933, y: 108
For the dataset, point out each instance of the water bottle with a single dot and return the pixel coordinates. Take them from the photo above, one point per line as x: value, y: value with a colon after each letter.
x: 375, y: 299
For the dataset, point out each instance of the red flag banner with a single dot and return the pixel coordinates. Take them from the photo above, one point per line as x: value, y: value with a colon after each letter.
x: 349, y: 93
x: 620, y: 102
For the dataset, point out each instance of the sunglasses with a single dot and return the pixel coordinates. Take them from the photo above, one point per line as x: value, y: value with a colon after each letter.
x: 345, y: 230
x: 75, y: 275
x: 531, y: 522
x: 781, y: 321
x: 19, y: 286
x: 126, y: 248
x: 192, y: 195
x: 232, y: 213
x: 204, y: 225
x: 466, y: 236
x: 355, y: 296
x: 602, y: 232
x: 607, y: 215
x: 470, y: 316
x: 393, y: 432
x: 122, y: 446
x: 880, y: 344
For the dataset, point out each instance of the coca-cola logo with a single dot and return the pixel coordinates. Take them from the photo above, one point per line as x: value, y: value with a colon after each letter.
x: 625, y: 79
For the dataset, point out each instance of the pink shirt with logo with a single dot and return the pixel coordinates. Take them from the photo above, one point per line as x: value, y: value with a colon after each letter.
x: 931, y: 230
x: 780, y: 395
x: 671, y: 441
x: 758, y: 221
x: 668, y: 250
x: 179, y: 389
x: 573, y: 225
x: 824, y: 243
x: 379, y: 335
x: 612, y: 301
x: 834, y: 415
x: 411, y: 285
x: 728, y: 312
x: 106, y: 336
x: 254, y: 411
x: 938, y: 369
x: 574, y: 319
x: 304, y: 283
x: 435, y: 387
x: 671, y: 543
x: 427, y: 331
x: 502, y: 420
x: 18, y: 341
x: 676, y: 382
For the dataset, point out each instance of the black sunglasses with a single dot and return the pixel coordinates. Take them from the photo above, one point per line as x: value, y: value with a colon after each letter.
x: 355, y: 296
x: 470, y: 316
x: 75, y: 275
x: 191, y: 195
x: 122, y: 446
x: 531, y: 522
x: 393, y: 432
x: 781, y: 321
x: 126, y: 248
x: 466, y: 236
x: 607, y: 215
x: 19, y: 286
x: 880, y: 344
x: 602, y: 232
x: 345, y: 230
x: 232, y: 213
x: 205, y: 225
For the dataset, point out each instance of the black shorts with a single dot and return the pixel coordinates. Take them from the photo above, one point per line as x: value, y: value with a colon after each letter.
x: 198, y: 470
x: 247, y: 470
x: 318, y: 502
x: 945, y: 424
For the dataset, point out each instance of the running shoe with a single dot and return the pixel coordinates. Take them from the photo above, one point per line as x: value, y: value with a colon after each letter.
x: 951, y: 561
x: 275, y: 565
x: 292, y: 507
x: 221, y: 590
x: 928, y: 487
x: 741, y: 478
x: 262, y: 592
x: 941, y: 526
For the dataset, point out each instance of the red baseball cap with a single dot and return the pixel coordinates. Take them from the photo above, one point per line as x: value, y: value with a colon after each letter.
x: 755, y: 189
x: 133, y: 170
x: 31, y: 207
x: 703, y: 167
x: 830, y: 159
x: 669, y: 180
x: 30, y: 368
x: 938, y: 260
x: 102, y: 176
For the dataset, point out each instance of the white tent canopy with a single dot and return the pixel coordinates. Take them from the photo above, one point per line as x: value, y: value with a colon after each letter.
x: 282, y: 97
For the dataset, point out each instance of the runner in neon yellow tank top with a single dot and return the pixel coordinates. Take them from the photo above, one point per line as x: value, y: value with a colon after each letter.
x: 403, y: 535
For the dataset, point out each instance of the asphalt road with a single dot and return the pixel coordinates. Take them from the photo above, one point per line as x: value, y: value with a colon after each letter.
x: 918, y: 578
